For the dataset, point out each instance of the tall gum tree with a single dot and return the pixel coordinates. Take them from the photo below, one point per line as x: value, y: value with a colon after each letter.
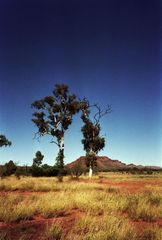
x: 54, y: 115
x: 92, y: 141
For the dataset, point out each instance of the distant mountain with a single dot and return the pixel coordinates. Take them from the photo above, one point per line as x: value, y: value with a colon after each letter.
x: 105, y: 163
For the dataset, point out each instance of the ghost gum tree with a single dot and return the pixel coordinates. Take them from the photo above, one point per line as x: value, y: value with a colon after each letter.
x: 54, y: 115
x: 92, y: 141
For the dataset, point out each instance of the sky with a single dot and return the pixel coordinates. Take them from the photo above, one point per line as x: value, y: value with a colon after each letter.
x: 106, y: 50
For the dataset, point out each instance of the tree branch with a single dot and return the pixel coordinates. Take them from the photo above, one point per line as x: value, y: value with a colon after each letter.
x: 55, y: 143
x: 101, y: 112
x: 37, y: 136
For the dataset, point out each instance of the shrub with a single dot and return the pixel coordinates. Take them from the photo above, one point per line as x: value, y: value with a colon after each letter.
x: 77, y: 170
x: 8, y: 169
x: 49, y: 171
x: 36, y: 171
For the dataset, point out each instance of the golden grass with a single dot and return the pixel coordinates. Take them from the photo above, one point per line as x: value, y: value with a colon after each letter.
x: 152, y: 234
x: 54, y: 231
x: 106, y: 212
x: 146, y: 206
x: 105, y: 227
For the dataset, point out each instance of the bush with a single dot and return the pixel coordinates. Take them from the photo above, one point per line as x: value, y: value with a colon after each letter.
x: 23, y: 171
x: 8, y: 169
x: 49, y: 171
x: 44, y: 170
x: 36, y: 171
x: 77, y: 170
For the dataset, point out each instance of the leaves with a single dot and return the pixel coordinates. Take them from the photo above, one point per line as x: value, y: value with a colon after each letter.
x: 92, y: 141
x: 37, y: 161
x: 58, y: 111
x: 4, y: 141
x: 39, y: 104
x: 55, y: 114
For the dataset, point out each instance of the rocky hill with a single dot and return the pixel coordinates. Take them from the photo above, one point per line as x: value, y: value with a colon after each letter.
x: 105, y: 163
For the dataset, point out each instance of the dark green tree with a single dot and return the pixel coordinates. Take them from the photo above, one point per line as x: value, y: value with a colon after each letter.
x: 37, y: 161
x: 54, y: 115
x: 8, y: 169
x: 92, y: 141
x: 36, y: 166
x: 4, y: 141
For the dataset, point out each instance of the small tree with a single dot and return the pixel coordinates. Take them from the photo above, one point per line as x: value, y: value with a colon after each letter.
x: 8, y: 169
x: 37, y: 161
x: 92, y: 141
x: 54, y: 116
x: 77, y: 170
x: 4, y: 141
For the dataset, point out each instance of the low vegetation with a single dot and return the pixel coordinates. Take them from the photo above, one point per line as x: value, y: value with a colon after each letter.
x: 101, y: 210
x: 54, y: 231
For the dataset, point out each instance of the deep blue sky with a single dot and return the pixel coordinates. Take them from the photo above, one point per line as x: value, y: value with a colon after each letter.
x: 108, y: 51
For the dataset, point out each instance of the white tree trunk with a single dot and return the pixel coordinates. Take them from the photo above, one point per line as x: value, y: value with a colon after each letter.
x: 61, y: 150
x: 90, y: 172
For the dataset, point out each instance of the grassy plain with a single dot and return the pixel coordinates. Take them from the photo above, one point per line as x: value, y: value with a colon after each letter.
x: 108, y: 207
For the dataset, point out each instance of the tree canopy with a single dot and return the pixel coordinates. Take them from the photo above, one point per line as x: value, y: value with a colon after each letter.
x: 37, y: 161
x: 92, y: 141
x: 54, y: 115
x: 4, y: 141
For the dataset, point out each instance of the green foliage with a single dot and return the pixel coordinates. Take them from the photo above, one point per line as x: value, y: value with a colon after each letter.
x: 8, y: 169
x: 57, y: 113
x: 49, y: 171
x: 4, y: 141
x: 22, y: 171
x: 37, y: 161
x: 92, y: 141
x: 54, y: 115
x: 36, y: 171
x: 60, y: 159
x: 91, y: 159
x: 45, y: 170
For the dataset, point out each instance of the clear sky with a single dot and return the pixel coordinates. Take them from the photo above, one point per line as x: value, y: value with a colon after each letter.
x: 106, y: 50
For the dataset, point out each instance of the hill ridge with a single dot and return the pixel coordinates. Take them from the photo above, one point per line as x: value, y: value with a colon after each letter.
x: 106, y: 163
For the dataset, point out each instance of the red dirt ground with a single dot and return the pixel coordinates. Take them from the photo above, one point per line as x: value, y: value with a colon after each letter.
x: 131, y: 186
x: 34, y: 229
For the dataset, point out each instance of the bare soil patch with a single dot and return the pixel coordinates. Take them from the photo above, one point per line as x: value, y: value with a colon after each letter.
x: 35, y: 229
x: 131, y: 186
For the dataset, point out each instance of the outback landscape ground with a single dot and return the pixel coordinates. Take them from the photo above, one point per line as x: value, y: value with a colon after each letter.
x: 111, y: 206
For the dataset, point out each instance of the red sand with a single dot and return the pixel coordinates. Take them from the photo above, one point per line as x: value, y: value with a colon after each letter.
x: 34, y: 229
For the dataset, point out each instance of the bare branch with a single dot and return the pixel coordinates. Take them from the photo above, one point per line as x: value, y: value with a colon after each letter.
x: 55, y: 143
x: 37, y: 136
x: 101, y: 112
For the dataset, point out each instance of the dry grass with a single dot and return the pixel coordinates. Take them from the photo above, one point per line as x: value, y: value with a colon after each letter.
x: 106, y: 212
x: 54, y: 231
x: 146, y: 206
x: 152, y: 234
x: 105, y: 227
